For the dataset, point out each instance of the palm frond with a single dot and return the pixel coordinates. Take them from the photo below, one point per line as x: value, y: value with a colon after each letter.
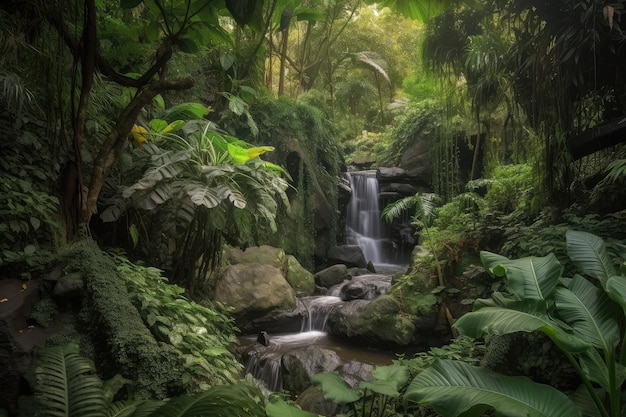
x: 394, y: 210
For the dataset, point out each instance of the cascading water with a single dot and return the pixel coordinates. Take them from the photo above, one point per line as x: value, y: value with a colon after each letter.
x: 363, y: 224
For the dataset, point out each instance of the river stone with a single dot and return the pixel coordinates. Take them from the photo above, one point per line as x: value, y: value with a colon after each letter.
x: 354, y: 372
x: 313, y: 401
x: 301, y: 280
x: 332, y: 275
x: 365, y: 287
x: 256, y: 254
x: 254, y: 290
x: 349, y: 255
x: 276, y: 321
x: 299, y: 365
x: 70, y: 285
x: 376, y: 322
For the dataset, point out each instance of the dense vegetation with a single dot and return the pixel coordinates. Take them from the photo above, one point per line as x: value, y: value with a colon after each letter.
x: 142, y: 137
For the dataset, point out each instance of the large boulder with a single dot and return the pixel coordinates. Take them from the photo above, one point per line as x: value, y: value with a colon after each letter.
x: 301, y: 280
x: 332, y: 275
x: 365, y: 287
x: 254, y: 290
x: 277, y: 322
x: 377, y: 322
x: 313, y: 401
x: 256, y: 255
x: 349, y: 255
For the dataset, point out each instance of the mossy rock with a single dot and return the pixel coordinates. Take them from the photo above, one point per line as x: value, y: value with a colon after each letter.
x: 301, y: 280
x: 122, y: 342
x: 257, y: 254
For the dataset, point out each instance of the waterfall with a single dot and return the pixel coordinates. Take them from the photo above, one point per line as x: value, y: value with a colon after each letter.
x: 363, y: 223
x: 318, y: 308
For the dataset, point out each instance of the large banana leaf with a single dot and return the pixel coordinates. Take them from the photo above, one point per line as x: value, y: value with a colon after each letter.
x: 455, y: 388
x: 616, y: 289
x: 590, y: 312
x: 531, y: 278
x: 595, y: 369
x: 589, y: 253
x: 66, y: 384
x: 521, y: 316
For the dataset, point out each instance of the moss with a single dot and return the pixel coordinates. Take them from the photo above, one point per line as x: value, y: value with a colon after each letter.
x: 44, y: 311
x: 122, y: 342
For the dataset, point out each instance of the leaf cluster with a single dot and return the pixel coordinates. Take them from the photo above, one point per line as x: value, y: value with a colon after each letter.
x: 204, y: 334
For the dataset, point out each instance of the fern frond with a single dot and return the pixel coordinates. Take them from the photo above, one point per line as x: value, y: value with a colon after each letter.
x: 394, y: 210
x: 67, y: 385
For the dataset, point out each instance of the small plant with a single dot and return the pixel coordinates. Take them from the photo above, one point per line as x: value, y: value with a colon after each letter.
x: 44, y: 311
x: 582, y: 316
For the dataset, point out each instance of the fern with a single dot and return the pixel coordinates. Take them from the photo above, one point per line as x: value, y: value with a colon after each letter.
x: 66, y: 384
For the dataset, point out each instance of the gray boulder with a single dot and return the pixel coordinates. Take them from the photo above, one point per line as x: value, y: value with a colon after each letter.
x: 300, y: 279
x: 299, y: 365
x: 349, y: 255
x: 376, y: 322
x: 256, y: 254
x: 254, y: 290
x: 332, y: 275
x: 365, y: 287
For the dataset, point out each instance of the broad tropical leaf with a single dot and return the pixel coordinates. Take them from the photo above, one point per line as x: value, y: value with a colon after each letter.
x: 595, y: 368
x: 590, y: 312
x: 141, y: 408
x: 588, y: 252
x: 184, y: 111
x: 335, y: 388
x: 616, y: 288
x: 525, y: 316
x: 379, y: 386
x: 531, y: 278
x: 456, y: 388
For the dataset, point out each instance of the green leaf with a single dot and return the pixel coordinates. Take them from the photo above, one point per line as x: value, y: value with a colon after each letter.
x: 335, y: 388
x: 134, y: 234
x: 130, y: 4
x: 588, y: 252
x: 236, y: 400
x: 616, y: 288
x: 185, y: 111
x: 388, y: 388
x: 187, y: 45
x: 526, y: 316
x: 153, y: 31
x: 596, y: 370
x: 66, y: 383
x: 227, y: 60
x: 280, y: 408
x: 456, y: 388
x: 241, y: 10
x: 492, y: 263
x: 533, y: 278
x: 308, y: 14
x: 397, y: 373
x: 133, y: 408
x: 590, y: 312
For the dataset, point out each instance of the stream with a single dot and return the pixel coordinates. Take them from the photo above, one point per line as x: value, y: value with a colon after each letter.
x: 365, y: 229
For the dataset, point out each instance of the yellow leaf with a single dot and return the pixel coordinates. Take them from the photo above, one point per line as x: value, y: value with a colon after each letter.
x: 259, y: 150
x: 138, y: 134
x: 24, y: 286
x: 4, y: 300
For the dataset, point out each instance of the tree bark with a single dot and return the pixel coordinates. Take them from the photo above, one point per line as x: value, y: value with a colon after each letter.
x: 114, y: 143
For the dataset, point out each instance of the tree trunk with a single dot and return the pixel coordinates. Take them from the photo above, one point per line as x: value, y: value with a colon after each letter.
x: 283, y: 62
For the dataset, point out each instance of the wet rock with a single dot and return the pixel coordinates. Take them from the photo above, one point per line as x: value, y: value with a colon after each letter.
x: 376, y: 322
x: 313, y: 401
x: 332, y: 275
x: 276, y: 321
x: 365, y: 287
x: 263, y: 338
x: 349, y: 255
x: 398, y: 188
x: 299, y: 365
x: 354, y: 372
